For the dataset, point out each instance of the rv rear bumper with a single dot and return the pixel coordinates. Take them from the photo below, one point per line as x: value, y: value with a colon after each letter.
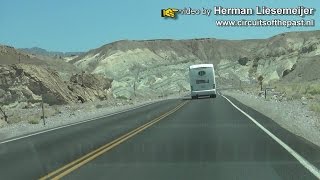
x: 204, y: 92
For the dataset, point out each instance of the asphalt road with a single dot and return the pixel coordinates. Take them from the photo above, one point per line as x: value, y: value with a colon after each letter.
x: 173, y: 139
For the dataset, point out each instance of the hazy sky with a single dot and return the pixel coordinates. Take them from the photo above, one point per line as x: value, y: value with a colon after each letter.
x: 78, y: 25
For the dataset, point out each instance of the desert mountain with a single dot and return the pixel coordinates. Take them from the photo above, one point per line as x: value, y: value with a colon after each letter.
x: 160, y: 66
x: 44, y: 52
x: 10, y: 55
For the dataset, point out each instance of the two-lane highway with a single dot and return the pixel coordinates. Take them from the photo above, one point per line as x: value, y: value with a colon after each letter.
x: 173, y: 139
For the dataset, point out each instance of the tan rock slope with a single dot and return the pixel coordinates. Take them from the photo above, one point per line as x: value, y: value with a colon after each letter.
x: 10, y: 55
x: 160, y: 67
x: 162, y: 64
x: 27, y: 82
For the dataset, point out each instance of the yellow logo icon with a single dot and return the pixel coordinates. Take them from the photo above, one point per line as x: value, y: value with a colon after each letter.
x: 170, y: 12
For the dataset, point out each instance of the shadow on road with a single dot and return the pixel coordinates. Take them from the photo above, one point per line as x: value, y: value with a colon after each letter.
x: 199, y: 98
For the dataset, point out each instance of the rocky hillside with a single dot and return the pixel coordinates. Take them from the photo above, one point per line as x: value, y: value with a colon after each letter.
x: 10, y: 55
x: 25, y: 83
x: 43, y: 52
x: 160, y: 66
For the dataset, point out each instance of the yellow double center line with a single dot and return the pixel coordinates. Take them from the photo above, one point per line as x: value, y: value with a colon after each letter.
x: 68, y: 168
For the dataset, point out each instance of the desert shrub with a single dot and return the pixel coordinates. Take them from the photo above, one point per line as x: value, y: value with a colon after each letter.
x: 292, y: 89
x: 55, y: 110
x: 33, y: 121
x: 122, y: 97
x: 14, y: 119
x: 315, y: 107
x: 313, y: 89
x: 287, y: 89
x: 299, y: 88
x: 98, y: 106
x: 243, y: 61
x: 296, y: 96
x: 309, y: 96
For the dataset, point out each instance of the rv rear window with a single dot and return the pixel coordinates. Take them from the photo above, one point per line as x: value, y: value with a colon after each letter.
x: 202, y: 81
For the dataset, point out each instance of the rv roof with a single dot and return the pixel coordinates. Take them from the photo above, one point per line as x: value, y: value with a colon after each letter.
x: 201, y: 66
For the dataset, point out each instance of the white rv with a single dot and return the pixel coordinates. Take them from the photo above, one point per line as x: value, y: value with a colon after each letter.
x: 202, y: 80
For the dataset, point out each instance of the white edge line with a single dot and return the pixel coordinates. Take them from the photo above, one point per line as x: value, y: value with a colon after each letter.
x: 80, y: 122
x: 314, y: 170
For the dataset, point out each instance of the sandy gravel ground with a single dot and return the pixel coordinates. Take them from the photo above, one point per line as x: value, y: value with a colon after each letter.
x: 293, y: 115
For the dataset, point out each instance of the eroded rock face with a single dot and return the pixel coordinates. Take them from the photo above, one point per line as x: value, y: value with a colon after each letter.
x: 27, y: 83
x: 94, y: 81
x: 122, y: 90
x: 275, y: 58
